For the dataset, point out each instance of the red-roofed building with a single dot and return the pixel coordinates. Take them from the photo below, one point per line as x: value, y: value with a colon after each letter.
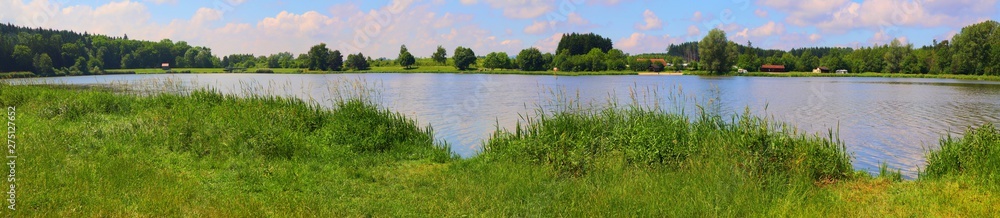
x: 773, y: 68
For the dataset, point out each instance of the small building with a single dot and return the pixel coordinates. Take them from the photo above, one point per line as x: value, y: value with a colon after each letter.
x: 165, y: 66
x: 742, y: 71
x: 841, y: 71
x: 772, y: 68
x: 821, y: 70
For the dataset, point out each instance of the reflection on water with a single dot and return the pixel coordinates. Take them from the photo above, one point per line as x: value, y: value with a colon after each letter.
x: 881, y: 119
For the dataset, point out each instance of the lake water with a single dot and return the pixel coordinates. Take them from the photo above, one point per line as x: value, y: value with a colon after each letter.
x: 890, y: 120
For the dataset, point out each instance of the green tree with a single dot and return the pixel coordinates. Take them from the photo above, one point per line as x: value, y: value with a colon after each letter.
x: 302, y: 61
x: 80, y: 66
x: 530, y: 59
x: 834, y: 60
x: 189, y: 56
x: 357, y: 62
x: 716, y: 53
x: 595, y: 60
x: 23, y: 58
x: 336, y: 61
x: 580, y: 44
x: 616, y: 60
x: 678, y: 63
x: 789, y: 60
x: 641, y: 65
x: 319, y: 57
x: 894, y: 57
x: 547, y: 60
x: 43, y: 65
x: 496, y: 60
x: 976, y: 49
x: 807, y: 62
x: 561, y: 61
x: 463, y: 58
x: 440, y: 56
x: 405, y: 59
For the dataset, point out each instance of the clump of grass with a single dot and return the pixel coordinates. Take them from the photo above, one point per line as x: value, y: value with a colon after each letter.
x: 975, y: 155
x: 572, y: 141
x: 892, y: 175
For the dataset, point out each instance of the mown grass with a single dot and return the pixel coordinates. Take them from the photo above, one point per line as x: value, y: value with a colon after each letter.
x: 92, y: 152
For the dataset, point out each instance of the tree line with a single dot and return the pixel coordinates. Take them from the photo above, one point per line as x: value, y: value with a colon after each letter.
x: 58, y: 52
x: 975, y: 50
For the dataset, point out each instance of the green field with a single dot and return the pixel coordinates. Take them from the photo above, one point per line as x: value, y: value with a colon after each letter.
x: 87, y: 152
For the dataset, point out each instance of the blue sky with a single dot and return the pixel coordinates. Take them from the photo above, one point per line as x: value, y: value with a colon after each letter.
x: 378, y: 27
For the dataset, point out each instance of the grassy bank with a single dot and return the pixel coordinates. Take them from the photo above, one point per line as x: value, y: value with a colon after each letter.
x: 207, y: 154
x: 869, y: 74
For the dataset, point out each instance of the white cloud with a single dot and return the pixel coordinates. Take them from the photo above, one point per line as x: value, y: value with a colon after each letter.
x: 642, y: 43
x: 206, y: 15
x: 548, y: 44
x: 693, y: 30
x: 768, y: 29
x: 697, y: 17
x: 160, y: 2
x: 375, y: 32
x: 576, y: 19
x: 804, y: 12
x: 761, y: 35
x: 815, y: 37
x: 651, y: 22
x: 537, y: 27
x: 573, y: 22
x: 522, y: 9
x: 839, y: 16
x: 760, y: 13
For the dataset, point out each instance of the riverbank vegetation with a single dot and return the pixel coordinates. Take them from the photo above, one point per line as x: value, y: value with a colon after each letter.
x: 57, y: 53
x: 209, y: 154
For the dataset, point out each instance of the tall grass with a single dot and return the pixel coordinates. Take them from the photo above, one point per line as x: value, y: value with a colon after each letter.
x: 571, y: 142
x: 98, y: 153
x: 976, y: 155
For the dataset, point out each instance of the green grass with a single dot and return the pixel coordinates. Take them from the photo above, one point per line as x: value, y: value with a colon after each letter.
x: 974, y: 156
x: 868, y: 74
x: 16, y: 75
x: 93, y: 152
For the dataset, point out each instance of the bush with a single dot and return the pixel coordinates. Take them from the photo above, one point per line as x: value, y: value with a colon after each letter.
x: 264, y: 71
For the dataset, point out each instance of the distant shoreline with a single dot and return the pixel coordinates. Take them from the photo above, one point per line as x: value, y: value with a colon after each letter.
x: 444, y: 70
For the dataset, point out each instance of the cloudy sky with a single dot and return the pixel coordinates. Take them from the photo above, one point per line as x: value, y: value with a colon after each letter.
x: 378, y: 27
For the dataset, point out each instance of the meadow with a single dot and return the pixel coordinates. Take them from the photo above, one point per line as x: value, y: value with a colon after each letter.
x: 105, y: 152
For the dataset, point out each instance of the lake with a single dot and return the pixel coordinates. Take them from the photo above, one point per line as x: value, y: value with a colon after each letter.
x: 892, y: 120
